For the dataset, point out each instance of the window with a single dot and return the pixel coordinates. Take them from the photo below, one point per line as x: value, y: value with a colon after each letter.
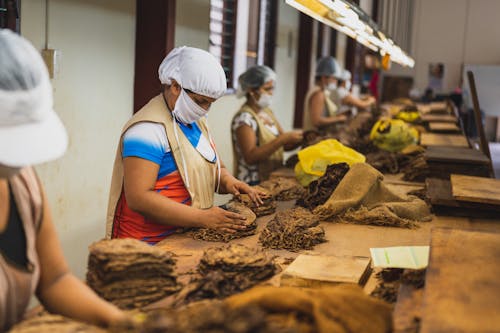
x: 9, y: 14
x: 242, y: 34
x: 222, y: 34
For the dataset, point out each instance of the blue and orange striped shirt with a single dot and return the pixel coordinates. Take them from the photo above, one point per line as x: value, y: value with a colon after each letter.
x: 148, y: 141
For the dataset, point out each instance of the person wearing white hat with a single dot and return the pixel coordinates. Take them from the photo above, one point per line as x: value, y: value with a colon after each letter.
x: 167, y: 168
x: 31, y: 259
x: 319, y: 110
x: 343, y: 98
x: 258, y: 139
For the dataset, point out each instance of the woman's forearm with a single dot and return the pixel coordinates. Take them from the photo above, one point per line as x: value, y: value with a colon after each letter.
x: 70, y: 297
x: 163, y: 210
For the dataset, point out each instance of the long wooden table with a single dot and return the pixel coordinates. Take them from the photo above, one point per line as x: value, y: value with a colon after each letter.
x: 343, y: 239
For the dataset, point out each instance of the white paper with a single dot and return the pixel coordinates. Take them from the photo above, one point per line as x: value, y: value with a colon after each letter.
x: 414, y: 257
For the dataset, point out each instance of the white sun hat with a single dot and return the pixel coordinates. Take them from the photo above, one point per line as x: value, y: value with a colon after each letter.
x: 30, y: 131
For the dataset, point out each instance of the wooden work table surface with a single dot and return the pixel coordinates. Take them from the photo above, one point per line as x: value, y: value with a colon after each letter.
x: 342, y: 239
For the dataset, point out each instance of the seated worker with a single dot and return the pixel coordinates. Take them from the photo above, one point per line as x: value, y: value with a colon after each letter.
x: 258, y: 139
x: 319, y: 110
x: 343, y: 98
x: 31, y: 259
x: 167, y: 168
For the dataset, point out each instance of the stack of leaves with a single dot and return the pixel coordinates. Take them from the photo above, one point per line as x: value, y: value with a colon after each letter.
x: 321, y: 189
x: 267, y: 207
x: 293, y: 229
x: 213, y: 235
x: 48, y: 323
x: 227, y: 270
x: 283, y: 189
x: 130, y: 273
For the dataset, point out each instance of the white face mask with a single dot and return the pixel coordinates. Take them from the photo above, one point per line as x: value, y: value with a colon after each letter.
x: 264, y: 100
x: 331, y: 86
x: 7, y: 172
x: 348, y: 85
x: 186, y: 110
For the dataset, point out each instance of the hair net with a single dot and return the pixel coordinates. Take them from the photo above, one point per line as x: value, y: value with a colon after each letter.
x: 194, y: 69
x: 254, y: 77
x: 346, y: 75
x: 328, y: 66
x: 30, y: 131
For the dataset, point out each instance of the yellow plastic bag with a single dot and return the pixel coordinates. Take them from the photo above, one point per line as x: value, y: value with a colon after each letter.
x: 314, y: 159
x: 393, y: 135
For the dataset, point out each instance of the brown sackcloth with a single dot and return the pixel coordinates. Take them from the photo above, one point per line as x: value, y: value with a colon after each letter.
x: 339, y: 309
x: 362, y: 197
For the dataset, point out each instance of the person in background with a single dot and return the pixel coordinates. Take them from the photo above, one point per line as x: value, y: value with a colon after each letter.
x: 167, y: 168
x: 319, y: 110
x: 258, y: 139
x: 343, y: 98
x: 31, y: 259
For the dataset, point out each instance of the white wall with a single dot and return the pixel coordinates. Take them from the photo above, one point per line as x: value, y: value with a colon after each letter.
x: 93, y: 94
x: 192, y: 18
x: 454, y: 32
x: 192, y: 29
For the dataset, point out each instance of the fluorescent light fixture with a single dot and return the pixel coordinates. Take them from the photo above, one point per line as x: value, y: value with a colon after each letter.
x: 355, y: 23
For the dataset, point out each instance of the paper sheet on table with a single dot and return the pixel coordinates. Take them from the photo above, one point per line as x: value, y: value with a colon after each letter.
x: 414, y: 257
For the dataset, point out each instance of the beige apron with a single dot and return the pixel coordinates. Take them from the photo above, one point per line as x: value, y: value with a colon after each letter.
x: 274, y: 161
x: 199, y: 175
x: 18, y: 284
x: 330, y: 108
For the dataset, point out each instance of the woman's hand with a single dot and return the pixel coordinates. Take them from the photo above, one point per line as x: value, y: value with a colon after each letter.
x: 222, y: 220
x: 293, y: 137
x: 237, y: 187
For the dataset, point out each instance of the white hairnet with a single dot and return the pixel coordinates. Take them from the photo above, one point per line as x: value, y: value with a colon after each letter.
x: 30, y: 131
x: 346, y: 75
x: 328, y: 66
x: 254, y: 77
x: 194, y: 69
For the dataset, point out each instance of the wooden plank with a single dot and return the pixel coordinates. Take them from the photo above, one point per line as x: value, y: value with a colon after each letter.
x: 443, y: 127
x: 456, y: 155
x: 433, y: 139
x: 462, y: 284
x: 408, y: 309
x: 475, y: 189
x: 318, y: 270
x: 438, y: 193
x: 439, y: 118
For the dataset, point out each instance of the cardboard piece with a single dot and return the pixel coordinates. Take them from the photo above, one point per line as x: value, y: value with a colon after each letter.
x: 318, y: 270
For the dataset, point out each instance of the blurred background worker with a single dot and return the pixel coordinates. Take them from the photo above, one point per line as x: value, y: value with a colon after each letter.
x: 344, y: 99
x: 320, y: 111
x: 258, y: 139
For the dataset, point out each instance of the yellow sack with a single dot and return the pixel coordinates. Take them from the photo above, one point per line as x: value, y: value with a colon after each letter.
x: 393, y: 135
x: 409, y: 114
x: 314, y: 159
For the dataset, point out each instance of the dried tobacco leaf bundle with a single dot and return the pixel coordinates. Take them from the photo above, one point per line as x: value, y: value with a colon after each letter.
x: 130, y: 273
x: 212, y: 235
x: 294, y: 229
x: 227, y: 270
x: 266, y: 208
x: 283, y: 188
x: 321, y: 189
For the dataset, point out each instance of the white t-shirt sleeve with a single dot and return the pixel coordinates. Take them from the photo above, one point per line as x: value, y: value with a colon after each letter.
x: 146, y: 140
